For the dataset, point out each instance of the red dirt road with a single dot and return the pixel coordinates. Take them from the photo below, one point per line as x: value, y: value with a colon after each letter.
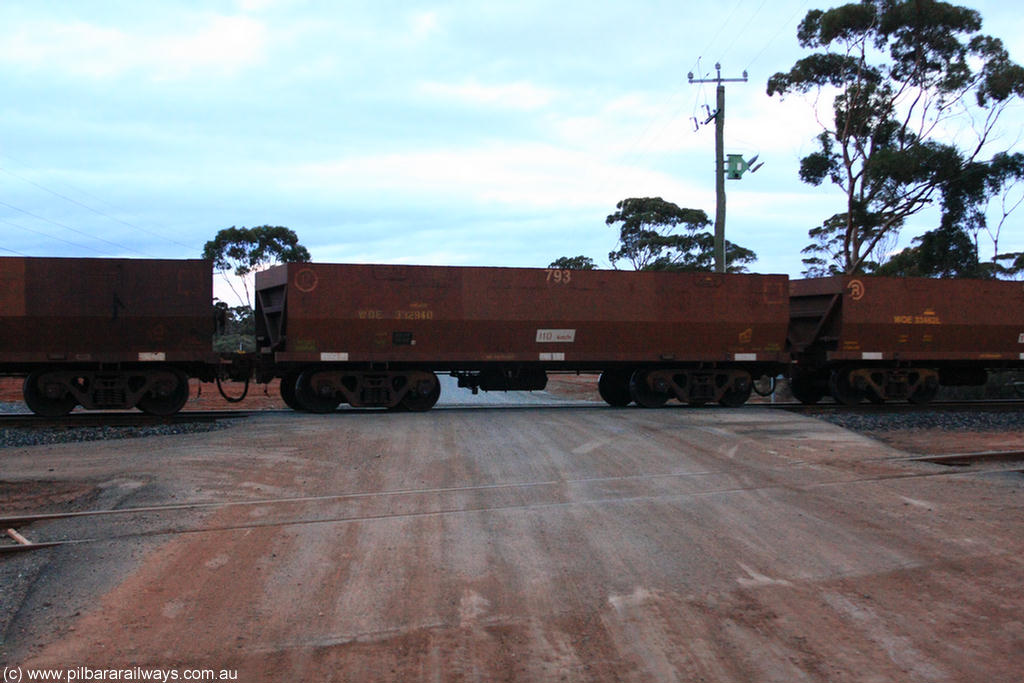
x: 547, y: 543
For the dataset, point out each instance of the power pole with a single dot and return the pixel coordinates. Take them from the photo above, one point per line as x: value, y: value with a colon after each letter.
x: 719, y: 117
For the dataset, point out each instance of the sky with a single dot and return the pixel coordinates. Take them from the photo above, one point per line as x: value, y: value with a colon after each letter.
x: 457, y: 133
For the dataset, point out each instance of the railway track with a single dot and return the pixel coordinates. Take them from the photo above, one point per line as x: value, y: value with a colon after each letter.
x: 115, y: 419
x: 18, y: 537
x: 998, y: 405
x: 93, y: 419
x: 978, y: 459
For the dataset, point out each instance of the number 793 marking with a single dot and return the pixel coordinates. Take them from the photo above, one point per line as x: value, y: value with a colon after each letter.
x: 560, y: 277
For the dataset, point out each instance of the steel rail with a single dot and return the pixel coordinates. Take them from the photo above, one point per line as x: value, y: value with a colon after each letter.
x: 26, y: 519
x: 118, y: 419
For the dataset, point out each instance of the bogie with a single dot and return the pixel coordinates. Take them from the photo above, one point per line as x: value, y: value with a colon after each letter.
x: 652, y: 388
x: 880, y: 384
x: 157, y: 390
x: 321, y: 389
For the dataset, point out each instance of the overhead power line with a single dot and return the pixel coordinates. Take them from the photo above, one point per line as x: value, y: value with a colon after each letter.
x: 54, y: 237
x: 75, y: 230
x: 93, y: 210
x: 714, y: 38
x: 775, y: 36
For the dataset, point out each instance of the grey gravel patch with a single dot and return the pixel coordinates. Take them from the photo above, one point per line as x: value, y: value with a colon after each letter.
x: 16, y: 437
x: 953, y: 421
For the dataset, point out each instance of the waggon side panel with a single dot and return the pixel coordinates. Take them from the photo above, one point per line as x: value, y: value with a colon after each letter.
x: 917, y: 318
x: 105, y: 310
x: 420, y: 314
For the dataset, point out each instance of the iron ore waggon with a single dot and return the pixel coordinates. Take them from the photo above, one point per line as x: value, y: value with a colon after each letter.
x: 106, y: 333
x: 120, y: 333
x: 879, y: 338
x: 376, y: 335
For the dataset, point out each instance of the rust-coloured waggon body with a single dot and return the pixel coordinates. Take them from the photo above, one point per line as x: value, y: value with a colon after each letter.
x: 105, y: 333
x: 373, y: 335
x: 879, y: 338
x: 118, y: 333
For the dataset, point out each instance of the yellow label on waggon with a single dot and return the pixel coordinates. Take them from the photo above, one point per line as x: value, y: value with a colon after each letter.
x: 927, y: 318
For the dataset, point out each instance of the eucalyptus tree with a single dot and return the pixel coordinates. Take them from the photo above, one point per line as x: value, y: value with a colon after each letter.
x: 573, y: 263
x: 243, y: 251
x: 918, y: 93
x: 649, y: 238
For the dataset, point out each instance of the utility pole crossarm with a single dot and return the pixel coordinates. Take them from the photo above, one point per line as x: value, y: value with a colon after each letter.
x: 719, y: 160
x: 718, y: 78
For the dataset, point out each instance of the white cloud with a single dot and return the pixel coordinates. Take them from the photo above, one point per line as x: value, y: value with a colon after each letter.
x: 640, y: 126
x: 423, y: 25
x: 633, y: 126
x: 518, y: 175
x: 213, y: 45
x: 223, y: 44
x: 256, y: 5
x: 517, y: 96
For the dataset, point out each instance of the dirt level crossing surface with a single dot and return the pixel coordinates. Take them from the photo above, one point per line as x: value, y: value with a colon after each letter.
x: 533, y: 543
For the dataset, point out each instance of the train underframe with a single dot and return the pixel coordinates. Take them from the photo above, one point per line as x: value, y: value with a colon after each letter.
x: 322, y: 388
x: 852, y: 383
x: 155, y: 388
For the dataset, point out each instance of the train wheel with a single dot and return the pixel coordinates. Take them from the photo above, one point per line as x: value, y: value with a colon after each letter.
x: 417, y: 401
x: 613, y: 386
x: 805, y: 389
x: 643, y: 394
x: 307, y: 396
x: 287, y: 389
x: 46, y: 398
x: 737, y: 394
x: 842, y: 390
x: 168, y: 395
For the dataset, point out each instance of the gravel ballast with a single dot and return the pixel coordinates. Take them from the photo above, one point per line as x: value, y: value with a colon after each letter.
x: 954, y: 421
x: 16, y: 437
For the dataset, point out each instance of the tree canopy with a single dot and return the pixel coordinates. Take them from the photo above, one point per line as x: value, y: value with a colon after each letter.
x: 648, y: 238
x: 950, y: 252
x: 946, y: 252
x: 904, y: 74
x: 243, y: 251
x: 573, y: 263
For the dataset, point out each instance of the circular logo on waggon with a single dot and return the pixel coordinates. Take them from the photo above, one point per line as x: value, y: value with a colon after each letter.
x: 306, y: 280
